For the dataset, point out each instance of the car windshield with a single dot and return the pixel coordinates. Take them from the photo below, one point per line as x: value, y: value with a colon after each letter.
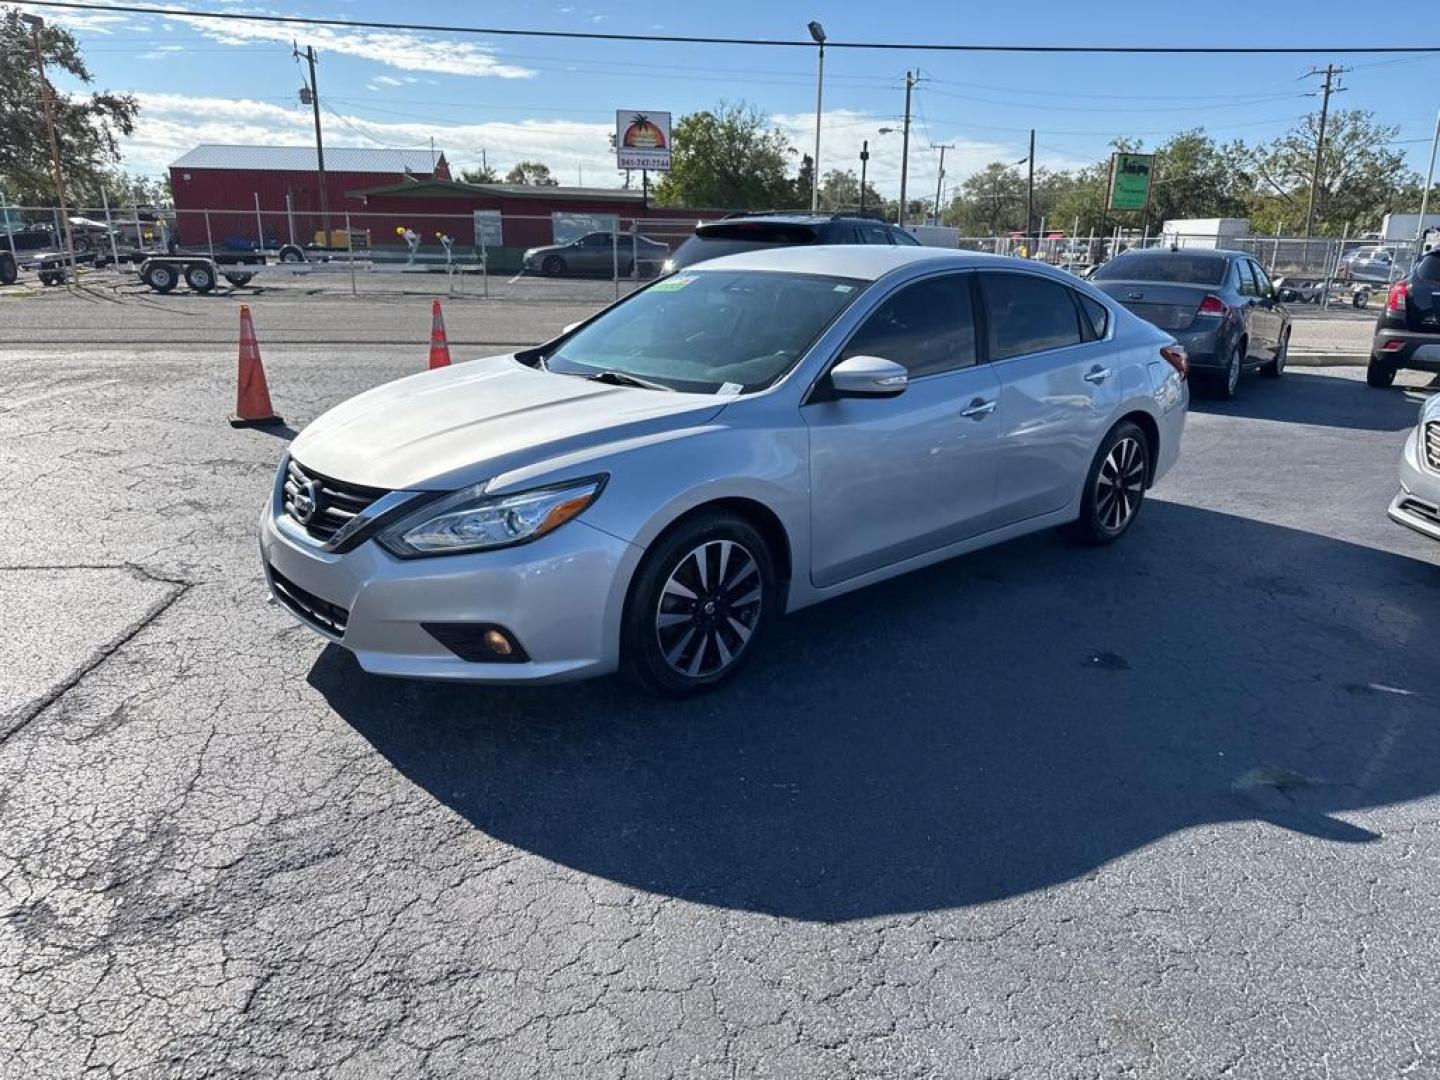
x: 708, y: 330
x: 1163, y: 266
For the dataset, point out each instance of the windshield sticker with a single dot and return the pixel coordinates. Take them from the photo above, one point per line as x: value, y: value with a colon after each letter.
x: 845, y: 288
x: 674, y: 284
x: 730, y: 388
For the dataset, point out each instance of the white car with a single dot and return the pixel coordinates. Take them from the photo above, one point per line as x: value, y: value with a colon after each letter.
x: 1418, y: 503
x: 753, y: 435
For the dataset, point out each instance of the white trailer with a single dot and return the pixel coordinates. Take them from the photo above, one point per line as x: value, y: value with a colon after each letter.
x: 1403, y: 228
x: 1204, y: 232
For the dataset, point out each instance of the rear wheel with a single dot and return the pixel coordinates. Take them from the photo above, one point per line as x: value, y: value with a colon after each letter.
x: 1379, y: 376
x: 701, y: 597
x: 1115, y: 486
x: 1275, y: 368
x: 161, y: 277
x: 8, y: 273
x: 1229, y: 381
x: 239, y: 279
x: 200, y: 278
x: 291, y: 253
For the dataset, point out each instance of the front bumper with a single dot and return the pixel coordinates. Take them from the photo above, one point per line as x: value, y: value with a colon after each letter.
x: 1414, y: 351
x: 560, y: 597
x: 1417, y: 505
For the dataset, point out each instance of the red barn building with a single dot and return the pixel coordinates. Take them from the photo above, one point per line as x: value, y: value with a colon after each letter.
x: 219, y: 186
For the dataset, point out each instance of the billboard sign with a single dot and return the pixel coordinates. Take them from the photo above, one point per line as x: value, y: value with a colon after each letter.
x: 1130, y: 181
x: 642, y: 139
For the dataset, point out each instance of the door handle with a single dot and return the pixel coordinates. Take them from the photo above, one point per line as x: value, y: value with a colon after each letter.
x: 1098, y: 374
x: 978, y: 409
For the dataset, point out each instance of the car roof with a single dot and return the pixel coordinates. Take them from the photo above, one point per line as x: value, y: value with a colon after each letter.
x: 797, y: 218
x: 864, y: 262
x: 1188, y: 252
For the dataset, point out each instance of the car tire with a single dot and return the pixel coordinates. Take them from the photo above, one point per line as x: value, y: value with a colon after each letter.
x: 50, y: 278
x: 291, y: 253
x: 8, y: 271
x: 162, y: 278
x: 1227, y: 384
x: 1380, y: 376
x: 1275, y: 368
x: 686, y: 630
x: 553, y: 266
x: 1114, y: 487
x: 239, y: 280
x: 201, y: 279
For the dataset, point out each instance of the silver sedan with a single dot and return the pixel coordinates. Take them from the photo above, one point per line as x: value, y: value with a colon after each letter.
x: 1417, y: 504
x: 650, y: 490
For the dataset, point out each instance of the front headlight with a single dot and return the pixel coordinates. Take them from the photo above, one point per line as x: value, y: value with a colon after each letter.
x: 471, y: 521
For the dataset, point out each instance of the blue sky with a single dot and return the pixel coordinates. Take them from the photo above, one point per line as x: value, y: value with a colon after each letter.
x: 513, y: 98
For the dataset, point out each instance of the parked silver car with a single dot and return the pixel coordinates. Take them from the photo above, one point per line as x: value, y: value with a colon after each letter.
x: 763, y: 432
x: 1417, y: 504
x: 599, y: 253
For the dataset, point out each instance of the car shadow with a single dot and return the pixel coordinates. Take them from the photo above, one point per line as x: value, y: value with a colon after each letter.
x: 1304, y: 397
x: 995, y: 725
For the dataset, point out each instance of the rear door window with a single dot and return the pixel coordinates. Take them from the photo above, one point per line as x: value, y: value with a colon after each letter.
x: 1027, y: 313
x: 901, y: 238
x: 874, y: 234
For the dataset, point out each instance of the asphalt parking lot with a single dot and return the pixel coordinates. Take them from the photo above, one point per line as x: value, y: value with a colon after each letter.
x: 1168, y: 809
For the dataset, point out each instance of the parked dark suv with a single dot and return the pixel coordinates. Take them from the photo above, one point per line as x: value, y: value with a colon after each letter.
x: 735, y: 234
x: 1407, y: 334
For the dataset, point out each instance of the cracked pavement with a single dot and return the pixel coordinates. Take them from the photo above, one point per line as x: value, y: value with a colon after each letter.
x: 1170, y: 809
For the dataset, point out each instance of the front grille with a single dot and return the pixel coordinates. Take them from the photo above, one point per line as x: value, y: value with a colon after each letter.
x: 1432, y: 444
x: 336, y: 502
x: 326, y: 617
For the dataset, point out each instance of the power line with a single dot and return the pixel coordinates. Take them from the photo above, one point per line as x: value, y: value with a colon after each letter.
x: 683, y: 39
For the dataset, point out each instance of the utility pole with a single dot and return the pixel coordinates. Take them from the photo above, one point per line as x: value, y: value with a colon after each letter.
x: 910, y: 78
x: 1331, y: 72
x: 1030, y: 195
x: 865, y: 161
x: 309, y: 56
x: 57, y: 173
x: 940, y: 179
x: 1425, y: 195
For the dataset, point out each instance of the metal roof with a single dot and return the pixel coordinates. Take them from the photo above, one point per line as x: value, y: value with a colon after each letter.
x: 338, y: 159
x: 431, y: 188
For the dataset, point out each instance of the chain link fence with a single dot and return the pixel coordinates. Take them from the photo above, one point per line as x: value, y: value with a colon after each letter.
x: 563, y: 255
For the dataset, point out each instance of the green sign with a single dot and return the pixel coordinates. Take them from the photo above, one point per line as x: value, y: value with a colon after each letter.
x: 1130, y: 181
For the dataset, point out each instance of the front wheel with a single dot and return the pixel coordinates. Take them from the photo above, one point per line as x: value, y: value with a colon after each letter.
x: 200, y: 278
x: 1115, y: 486
x: 700, y: 599
x: 1379, y: 375
x: 553, y: 266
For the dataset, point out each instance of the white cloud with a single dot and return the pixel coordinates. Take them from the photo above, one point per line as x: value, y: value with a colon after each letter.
x: 384, y: 80
x: 171, y: 124
x: 399, y: 49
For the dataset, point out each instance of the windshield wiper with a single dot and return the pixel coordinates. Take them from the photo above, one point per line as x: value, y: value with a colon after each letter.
x: 623, y: 378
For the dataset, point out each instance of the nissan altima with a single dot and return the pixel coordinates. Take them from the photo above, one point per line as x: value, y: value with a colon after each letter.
x: 650, y: 490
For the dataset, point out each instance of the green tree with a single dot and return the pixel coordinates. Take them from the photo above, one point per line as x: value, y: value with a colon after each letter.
x: 994, y: 199
x: 532, y: 173
x: 88, y: 126
x: 484, y: 175
x: 728, y: 157
x: 1360, y: 175
x: 840, y: 191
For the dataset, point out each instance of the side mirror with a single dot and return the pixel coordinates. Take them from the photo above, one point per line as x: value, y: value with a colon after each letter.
x: 1287, y: 296
x: 868, y: 376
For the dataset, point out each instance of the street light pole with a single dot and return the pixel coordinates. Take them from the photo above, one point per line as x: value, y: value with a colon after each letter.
x: 940, y: 179
x: 905, y: 149
x: 817, y: 33
x: 37, y: 24
x: 1425, y: 195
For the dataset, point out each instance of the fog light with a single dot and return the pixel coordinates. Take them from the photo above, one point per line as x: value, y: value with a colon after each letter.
x: 478, y: 643
x: 498, y: 643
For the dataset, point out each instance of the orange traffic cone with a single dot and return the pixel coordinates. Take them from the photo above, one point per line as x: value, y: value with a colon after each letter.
x: 439, y: 347
x: 252, y: 395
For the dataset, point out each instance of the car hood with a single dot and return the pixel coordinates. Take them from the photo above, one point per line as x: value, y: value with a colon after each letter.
x: 442, y: 429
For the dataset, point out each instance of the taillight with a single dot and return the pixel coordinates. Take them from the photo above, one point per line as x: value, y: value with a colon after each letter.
x: 1213, y: 305
x: 1177, y: 358
x: 1396, y: 300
